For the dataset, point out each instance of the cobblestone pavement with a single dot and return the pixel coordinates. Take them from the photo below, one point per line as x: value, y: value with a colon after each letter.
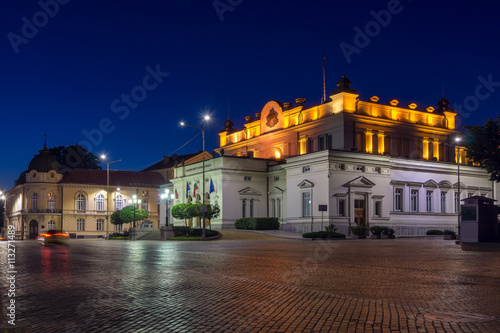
x: 256, y: 284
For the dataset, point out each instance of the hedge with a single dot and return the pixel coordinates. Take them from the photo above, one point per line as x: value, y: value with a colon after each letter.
x: 434, y: 232
x: 323, y: 234
x: 257, y: 223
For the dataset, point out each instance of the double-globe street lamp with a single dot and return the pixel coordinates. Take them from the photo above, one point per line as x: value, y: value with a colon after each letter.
x: 457, y: 140
x: 165, y: 196
x: 103, y: 157
x: 203, y: 207
x: 135, y: 201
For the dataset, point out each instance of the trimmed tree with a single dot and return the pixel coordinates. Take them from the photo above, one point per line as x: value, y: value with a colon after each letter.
x: 126, y: 215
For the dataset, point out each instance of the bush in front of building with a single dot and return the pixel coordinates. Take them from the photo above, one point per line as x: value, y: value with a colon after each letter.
x: 358, y: 230
x: 376, y: 230
x: 449, y: 232
x: 387, y: 231
x: 323, y: 235
x: 257, y: 223
x: 434, y: 232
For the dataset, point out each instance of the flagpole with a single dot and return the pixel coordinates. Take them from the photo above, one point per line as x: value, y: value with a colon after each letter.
x: 324, y: 80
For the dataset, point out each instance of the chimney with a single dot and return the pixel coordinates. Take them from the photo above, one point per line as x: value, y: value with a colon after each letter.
x: 166, y: 159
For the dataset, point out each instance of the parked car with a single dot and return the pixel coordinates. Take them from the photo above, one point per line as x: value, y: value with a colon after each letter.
x: 53, y: 236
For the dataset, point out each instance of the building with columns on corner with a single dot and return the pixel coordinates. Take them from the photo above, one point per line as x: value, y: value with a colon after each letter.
x: 371, y: 163
x: 76, y: 200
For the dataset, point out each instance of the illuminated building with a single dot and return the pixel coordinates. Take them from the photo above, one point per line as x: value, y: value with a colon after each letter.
x: 371, y: 163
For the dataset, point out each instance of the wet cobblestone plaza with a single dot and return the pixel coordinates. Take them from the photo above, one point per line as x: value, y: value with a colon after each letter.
x: 256, y: 284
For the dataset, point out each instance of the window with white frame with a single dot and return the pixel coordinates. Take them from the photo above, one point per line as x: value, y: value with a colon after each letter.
x: 118, y: 227
x: 443, y: 202
x: 273, y: 207
x: 100, y: 225
x: 428, y: 201
x: 244, y: 208
x: 119, y: 202
x: 99, y: 202
x: 378, y: 208
x: 80, y: 202
x: 251, y: 207
x: 278, y: 208
x: 145, y: 204
x: 341, y: 207
x: 306, y: 204
x: 51, y: 201
x: 80, y: 225
x: 398, y: 200
x: 34, y: 201
x: 414, y: 200
x: 51, y: 225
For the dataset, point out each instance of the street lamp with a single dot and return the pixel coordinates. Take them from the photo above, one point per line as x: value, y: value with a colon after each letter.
x: 457, y: 140
x: 203, y: 208
x: 135, y: 201
x: 166, y: 197
x: 103, y: 157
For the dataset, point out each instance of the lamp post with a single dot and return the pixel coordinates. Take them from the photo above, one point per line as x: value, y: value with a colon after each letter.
x: 103, y: 157
x: 457, y: 140
x: 167, y: 198
x: 203, y: 208
x: 4, y: 211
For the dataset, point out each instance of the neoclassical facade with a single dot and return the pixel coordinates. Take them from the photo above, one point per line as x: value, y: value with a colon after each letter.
x: 362, y: 162
x: 76, y: 201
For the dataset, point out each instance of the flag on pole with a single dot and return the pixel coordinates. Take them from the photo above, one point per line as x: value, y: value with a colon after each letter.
x: 176, y: 194
x: 324, y: 62
x: 187, y: 190
x: 212, y: 187
x: 195, y: 187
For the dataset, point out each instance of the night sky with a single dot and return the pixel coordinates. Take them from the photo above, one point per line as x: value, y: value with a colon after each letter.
x: 69, y: 72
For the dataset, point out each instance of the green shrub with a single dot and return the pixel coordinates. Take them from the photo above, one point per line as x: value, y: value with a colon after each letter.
x: 323, y: 234
x: 449, y: 232
x: 257, y: 223
x: 358, y: 230
x: 434, y: 232
x: 331, y: 228
x: 387, y: 231
x: 376, y: 230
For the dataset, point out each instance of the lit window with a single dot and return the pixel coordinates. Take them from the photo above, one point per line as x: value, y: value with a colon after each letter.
x: 118, y: 227
x: 51, y: 201
x: 119, y: 202
x: 145, y: 204
x: 34, y: 201
x: 80, y: 225
x: 80, y: 202
x: 99, y: 202
x: 398, y: 196
x: 51, y: 225
x: 306, y: 204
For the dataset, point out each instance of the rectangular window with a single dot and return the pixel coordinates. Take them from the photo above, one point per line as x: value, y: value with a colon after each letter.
x: 341, y: 211
x: 398, y: 199
x: 306, y: 169
x: 443, y: 202
x: 306, y: 204
x: 276, y: 178
x: 80, y: 225
x: 428, y: 201
x: 279, y: 208
x: 244, y: 208
x: 247, y: 178
x: 273, y: 205
x: 414, y: 201
x: 378, y: 208
x: 321, y: 142
x: 251, y: 207
x: 329, y: 141
x: 118, y: 227
x: 457, y: 202
x: 100, y: 224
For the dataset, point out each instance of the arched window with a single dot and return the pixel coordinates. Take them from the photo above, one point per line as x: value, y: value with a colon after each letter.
x: 80, y: 202
x: 119, y: 202
x: 51, y: 201
x: 34, y: 201
x: 80, y: 225
x: 99, y: 202
x: 145, y: 204
x: 51, y: 225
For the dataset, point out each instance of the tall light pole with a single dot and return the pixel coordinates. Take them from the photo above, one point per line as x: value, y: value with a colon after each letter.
x: 457, y: 140
x: 4, y: 212
x: 203, y: 208
x: 103, y: 157
x: 167, y: 198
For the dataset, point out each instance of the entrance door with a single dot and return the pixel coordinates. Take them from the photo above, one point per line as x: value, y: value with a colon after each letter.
x: 359, y: 212
x: 33, y: 229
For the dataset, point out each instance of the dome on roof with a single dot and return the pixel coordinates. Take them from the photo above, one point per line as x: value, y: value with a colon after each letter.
x: 44, y: 162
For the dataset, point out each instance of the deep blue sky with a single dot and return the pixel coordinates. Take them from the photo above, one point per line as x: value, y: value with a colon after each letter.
x: 64, y: 78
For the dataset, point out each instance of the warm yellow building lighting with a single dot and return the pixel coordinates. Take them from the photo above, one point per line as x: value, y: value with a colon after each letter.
x: 369, y: 141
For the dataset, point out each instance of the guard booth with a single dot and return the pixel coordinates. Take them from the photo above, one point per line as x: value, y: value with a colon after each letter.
x: 479, y: 220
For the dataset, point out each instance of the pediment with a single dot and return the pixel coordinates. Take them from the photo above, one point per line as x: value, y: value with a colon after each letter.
x: 361, y: 181
x: 445, y: 184
x: 249, y: 191
x: 305, y: 184
x: 431, y: 183
x: 276, y: 190
x: 462, y: 185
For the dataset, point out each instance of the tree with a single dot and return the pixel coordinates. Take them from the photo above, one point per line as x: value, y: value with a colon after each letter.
x: 213, y: 212
x: 181, y: 212
x: 483, y: 146
x: 126, y: 215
